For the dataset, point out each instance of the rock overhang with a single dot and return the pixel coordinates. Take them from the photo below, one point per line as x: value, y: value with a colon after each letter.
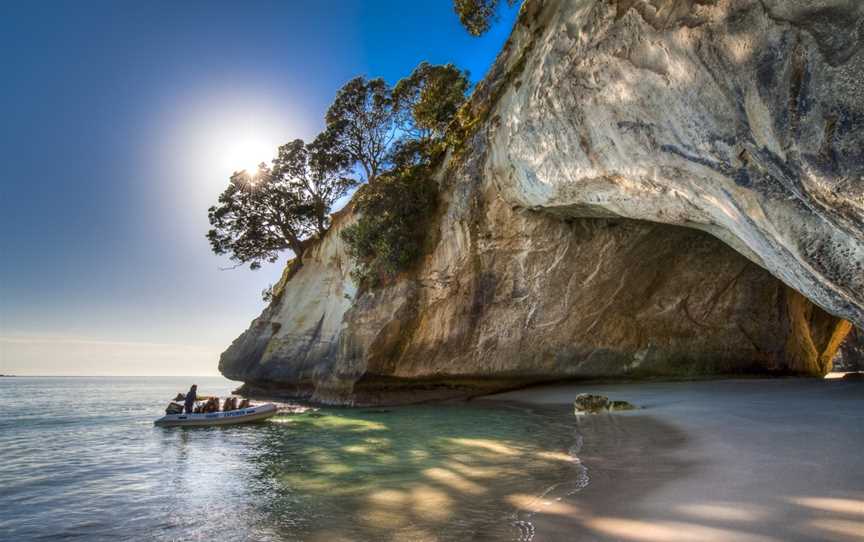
x: 726, y: 118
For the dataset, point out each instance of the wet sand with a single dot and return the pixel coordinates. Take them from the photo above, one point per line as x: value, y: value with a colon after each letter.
x: 744, y: 460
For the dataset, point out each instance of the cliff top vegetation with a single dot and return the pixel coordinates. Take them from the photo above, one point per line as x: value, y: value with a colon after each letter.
x: 383, y: 137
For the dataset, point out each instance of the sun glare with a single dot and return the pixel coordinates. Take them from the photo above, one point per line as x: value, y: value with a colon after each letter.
x: 247, y: 154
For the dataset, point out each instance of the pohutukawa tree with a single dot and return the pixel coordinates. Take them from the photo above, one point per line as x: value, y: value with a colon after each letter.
x: 278, y: 208
x: 431, y: 95
x: 317, y: 173
x: 370, y: 128
x: 363, y: 122
x: 257, y: 217
x: 477, y: 15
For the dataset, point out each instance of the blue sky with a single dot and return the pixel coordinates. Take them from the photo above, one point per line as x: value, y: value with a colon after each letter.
x: 121, y: 122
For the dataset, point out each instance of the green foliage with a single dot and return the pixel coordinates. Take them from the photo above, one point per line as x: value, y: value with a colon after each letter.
x: 477, y: 15
x: 432, y: 95
x: 279, y: 208
x: 394, y: 215
x: 317, y: 173
x: 392, y: 135
x: 476, y: 111
x: 257, y: 217
x: 362, y: 124
x: 396, y: 208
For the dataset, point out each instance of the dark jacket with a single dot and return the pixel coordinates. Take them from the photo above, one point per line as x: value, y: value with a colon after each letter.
x: 190, y: 400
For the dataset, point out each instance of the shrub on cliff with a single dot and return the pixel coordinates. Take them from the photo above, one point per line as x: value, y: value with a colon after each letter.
x: 395, y: 209
x: 395, y: 212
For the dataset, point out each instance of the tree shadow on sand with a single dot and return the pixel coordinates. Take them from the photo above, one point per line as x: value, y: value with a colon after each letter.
x: 630, y: 458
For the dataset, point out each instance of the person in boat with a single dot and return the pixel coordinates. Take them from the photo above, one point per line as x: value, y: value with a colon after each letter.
x: 211, y: 405
x: 190, y: 398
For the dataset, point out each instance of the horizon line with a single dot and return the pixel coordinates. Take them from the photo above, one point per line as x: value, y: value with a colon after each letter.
x: 112, y: 376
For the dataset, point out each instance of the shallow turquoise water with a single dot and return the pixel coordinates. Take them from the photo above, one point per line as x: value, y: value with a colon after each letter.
x: 81, y: 459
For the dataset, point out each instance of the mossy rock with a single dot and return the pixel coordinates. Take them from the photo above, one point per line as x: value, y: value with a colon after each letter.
x: 587, y: 403
x: 621, y: 405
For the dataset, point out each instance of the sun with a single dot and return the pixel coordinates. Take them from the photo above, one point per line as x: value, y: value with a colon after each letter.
x: 247, y: 153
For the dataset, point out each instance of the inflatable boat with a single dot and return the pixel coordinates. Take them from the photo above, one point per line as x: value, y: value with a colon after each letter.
x: 255, y: 413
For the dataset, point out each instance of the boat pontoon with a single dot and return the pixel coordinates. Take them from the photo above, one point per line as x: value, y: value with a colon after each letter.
x: 255, y: 413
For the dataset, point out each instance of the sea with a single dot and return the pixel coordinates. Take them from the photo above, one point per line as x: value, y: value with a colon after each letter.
x: 82, y: 460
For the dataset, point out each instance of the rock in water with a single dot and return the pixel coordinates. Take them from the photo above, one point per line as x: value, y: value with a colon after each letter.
x: 591, y: 404
x: 577, y: 234
x: 621, y: 405
x: 587, y: 403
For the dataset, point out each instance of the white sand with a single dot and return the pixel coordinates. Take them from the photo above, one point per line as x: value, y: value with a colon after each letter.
x: 748, y: 460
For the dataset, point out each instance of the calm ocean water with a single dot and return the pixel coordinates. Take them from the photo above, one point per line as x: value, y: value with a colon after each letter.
x: 82, y: 460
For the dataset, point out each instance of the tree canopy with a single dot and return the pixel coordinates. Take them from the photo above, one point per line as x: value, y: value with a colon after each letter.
x: 389, y: 234
x: 431, y: 95
x: 257, y: 217
x: 477, y: 15
x: 317, y: 173
x: 279, y: 207
x: 386, y: 136
x: 396, y: 209
x: 363, y: 122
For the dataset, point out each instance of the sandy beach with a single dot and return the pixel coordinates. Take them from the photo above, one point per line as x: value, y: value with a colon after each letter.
x: 744, y: 460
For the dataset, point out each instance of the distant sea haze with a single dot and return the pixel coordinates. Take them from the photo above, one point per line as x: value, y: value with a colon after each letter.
x: 77, y: 356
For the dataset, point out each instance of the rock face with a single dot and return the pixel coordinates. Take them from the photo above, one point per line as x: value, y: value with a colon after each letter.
x: 742, y: 118
x: 580, y: 230
x: 850, y: 357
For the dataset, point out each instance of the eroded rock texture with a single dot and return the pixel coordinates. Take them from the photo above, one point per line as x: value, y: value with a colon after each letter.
x: 742, y: 118
x: 571, y: 240
x: 850, y: 357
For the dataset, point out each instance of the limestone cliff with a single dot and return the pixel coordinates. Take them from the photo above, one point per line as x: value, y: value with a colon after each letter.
x: 579, y: 232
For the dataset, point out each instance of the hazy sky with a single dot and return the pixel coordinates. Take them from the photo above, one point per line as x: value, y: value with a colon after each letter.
x: 121, y: 122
